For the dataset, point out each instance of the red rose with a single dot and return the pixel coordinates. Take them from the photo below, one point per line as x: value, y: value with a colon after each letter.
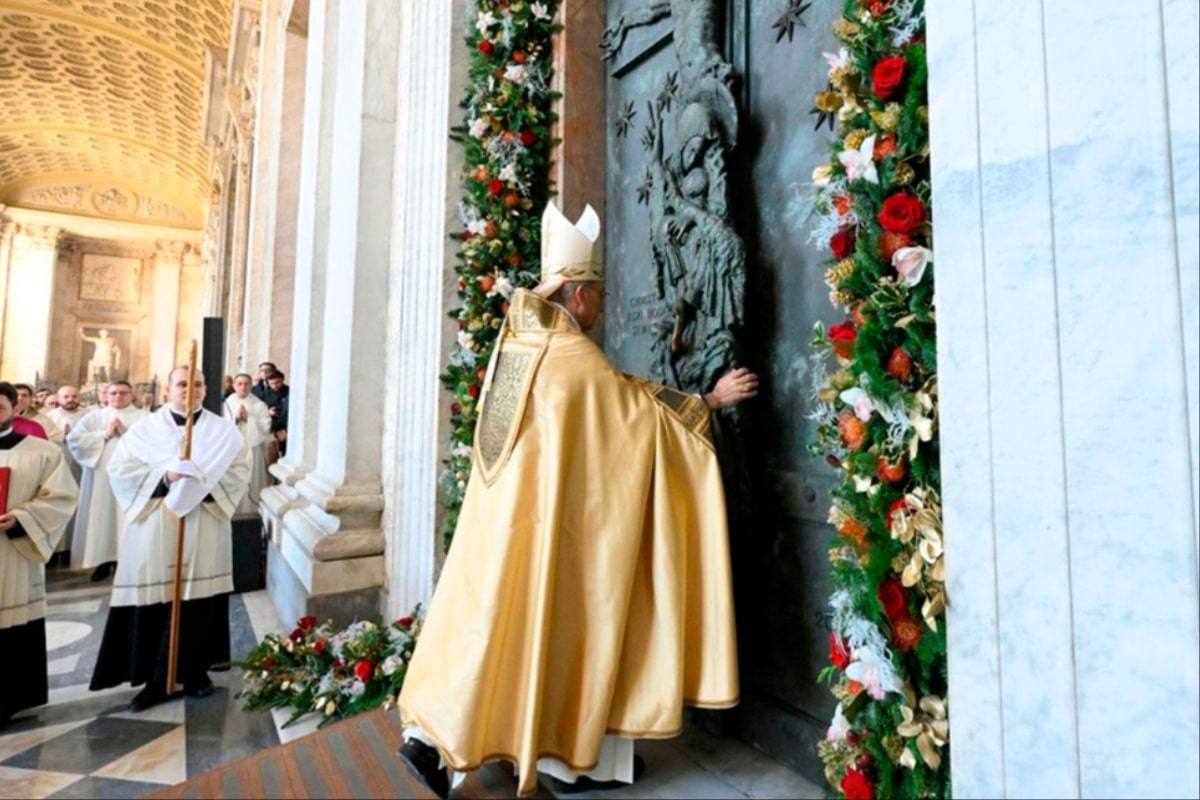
x: 270, y: 662
x: 902, y: 213
x: 856, y: 786
x: 528, y: 138
x: 486, y: 47
x: 319, y: 646
x: 842, y: 243
x: 899, y: 505
x: 473, y: 390
x: 839, y: 653
x: 364, y: 670
x: 307, y: 623
x: 405, y: 622
x: 495, y: 186
x: 843, y: 336
x: 887, y: 75
x: 892, y: 598
x: 296, y: 635
x: 455, y: 408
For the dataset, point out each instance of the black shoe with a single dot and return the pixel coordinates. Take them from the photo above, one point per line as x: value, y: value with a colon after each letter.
x: 103, y: 572
x: 421, y: 761
x: 586, y: 784
x: 149, y: 697
x: 199, y: 688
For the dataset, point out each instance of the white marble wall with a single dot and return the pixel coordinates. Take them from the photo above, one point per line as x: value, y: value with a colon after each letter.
x: 1065, y: 143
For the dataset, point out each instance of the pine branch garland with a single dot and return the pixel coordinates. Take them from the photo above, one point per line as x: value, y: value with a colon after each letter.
x: 877, y: 415
x: 505, y: 133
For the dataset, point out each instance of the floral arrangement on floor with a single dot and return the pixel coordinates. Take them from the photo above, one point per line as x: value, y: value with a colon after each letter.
x: 335, y: 673
x: 506, y: 184
x: 877, y: 413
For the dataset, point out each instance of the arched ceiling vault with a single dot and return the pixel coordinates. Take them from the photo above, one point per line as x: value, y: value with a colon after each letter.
x: 101, y: 105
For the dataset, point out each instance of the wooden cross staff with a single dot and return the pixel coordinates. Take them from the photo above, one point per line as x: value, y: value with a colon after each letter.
x: 177, y: 598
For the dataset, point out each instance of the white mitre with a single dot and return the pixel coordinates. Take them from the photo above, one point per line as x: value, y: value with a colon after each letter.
x: 567, y: 249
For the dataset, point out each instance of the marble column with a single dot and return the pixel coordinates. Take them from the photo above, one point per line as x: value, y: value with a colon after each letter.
x: 168, y: 262
x: 1064, y: 147
x: 432, y: 75
x: 32, y: 262
x: 340, y: 527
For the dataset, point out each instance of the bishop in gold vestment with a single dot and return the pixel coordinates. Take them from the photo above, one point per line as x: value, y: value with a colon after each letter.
x: 588, y: 590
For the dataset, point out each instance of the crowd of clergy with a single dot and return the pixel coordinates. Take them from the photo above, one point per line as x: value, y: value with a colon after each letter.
x: 104, y: 488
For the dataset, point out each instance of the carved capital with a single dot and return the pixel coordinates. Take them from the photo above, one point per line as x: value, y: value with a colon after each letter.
x: 170, y: 252
x: 38, y: 237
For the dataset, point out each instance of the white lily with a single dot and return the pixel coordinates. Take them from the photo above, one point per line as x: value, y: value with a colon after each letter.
x: 875, y: 674
x: 860, y: 401
x: 508, y: 173
x: 860, y: 163
x: 836, y: 62
x: 911, y: 262
x: 839, y: 727
x: 485, y: 21
x: 503, y: 286
x: 516, y: 73
x: 540, y: 10
x: 479, y: 127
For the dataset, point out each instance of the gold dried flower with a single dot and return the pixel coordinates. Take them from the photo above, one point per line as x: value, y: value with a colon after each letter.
x: 839, y: 272
x: 844, y: 29
x: 843, y: 298
x: 855, y: 139
x: 923, y: 113
x: 842, y: 379
x: 904, y: 174
x: 888, y: 119
x: 828, y: 102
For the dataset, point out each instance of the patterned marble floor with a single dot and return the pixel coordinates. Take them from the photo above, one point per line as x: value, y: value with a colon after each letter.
x: 87, y: 744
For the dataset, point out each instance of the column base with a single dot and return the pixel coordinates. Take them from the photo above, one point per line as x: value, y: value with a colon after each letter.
x: 293, y: 600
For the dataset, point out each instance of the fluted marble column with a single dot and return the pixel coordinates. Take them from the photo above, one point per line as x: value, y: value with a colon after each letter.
x: 432, y: 75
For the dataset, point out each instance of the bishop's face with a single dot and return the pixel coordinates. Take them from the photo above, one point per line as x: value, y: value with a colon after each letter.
x: 589, y: 304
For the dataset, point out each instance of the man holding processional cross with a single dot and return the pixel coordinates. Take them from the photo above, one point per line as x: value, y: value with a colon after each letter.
x: 178, y: 475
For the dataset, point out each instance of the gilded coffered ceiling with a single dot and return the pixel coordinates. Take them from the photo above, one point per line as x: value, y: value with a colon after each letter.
x: 101, y: 105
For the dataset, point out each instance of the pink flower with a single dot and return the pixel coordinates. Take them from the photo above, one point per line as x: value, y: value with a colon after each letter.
x: 911, y: 262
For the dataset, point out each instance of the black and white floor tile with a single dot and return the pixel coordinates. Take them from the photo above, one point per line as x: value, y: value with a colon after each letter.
x: 88, y: 744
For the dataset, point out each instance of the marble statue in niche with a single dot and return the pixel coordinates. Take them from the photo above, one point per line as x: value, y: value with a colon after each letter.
x: 105, y: 363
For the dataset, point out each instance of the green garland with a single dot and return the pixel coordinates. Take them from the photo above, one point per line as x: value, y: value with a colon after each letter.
x: 506, y: 184
x: 877, y: 413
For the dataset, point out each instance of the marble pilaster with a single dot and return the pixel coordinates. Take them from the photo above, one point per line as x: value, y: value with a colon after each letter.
x: 33, y: 260
x: 1067, y: 417
x: 168, y: 265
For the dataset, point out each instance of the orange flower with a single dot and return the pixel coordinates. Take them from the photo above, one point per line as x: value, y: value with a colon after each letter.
x: 890, y: 242
x: 899, y: 365
x: 906, y: 632
x: 853, y: 431
x: 855, y: 531
x: 854, y: 688
x: 842, y: 203
x: 885, y: 147
x: 890, y: 472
